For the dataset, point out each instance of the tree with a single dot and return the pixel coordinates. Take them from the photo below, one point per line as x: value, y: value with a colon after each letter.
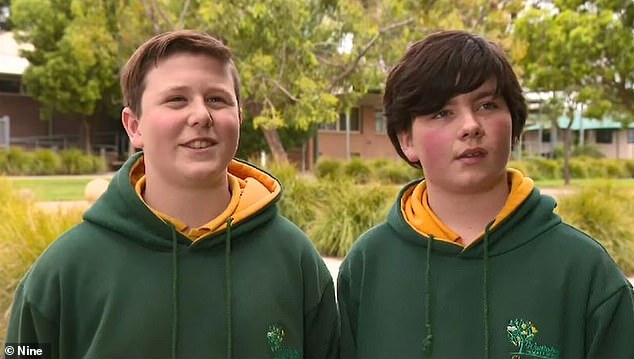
x: 560, y: 54
x: 67, y: 74
x: 298, y: 73
x: 301, y: 62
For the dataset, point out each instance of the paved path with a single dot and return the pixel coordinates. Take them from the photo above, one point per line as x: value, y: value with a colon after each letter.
x: 333, y: 265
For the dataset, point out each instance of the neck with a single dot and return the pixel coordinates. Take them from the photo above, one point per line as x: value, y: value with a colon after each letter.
x: 195, y: 206
x: 467, y: 214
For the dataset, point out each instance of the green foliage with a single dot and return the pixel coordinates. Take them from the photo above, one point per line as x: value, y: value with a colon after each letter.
x: 16, y: 161
x: 396, y: 172
x: 300, y: 194
x: 45, y: 162
x: 328, y: 168
x: 586, y: 151
x: 604, y: 212
x: 542, y: 168
x: 68, y: 73
x: 629, y: 164
x: 345, y: 213
x: 75, y: 162
x: 25, y: 232
x: 359, y: 170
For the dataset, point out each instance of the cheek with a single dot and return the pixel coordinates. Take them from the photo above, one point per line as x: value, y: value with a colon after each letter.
x: 434, y: 146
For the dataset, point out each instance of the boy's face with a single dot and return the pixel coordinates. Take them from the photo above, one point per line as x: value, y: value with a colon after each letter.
x: 466, y: 145
x: 180, y: 141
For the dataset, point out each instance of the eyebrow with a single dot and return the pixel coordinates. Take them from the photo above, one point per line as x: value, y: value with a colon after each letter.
x: 479, y: 94
x: 187, y: 88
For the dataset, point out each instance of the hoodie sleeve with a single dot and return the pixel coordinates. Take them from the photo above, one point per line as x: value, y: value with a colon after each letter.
x: 322, y: 327
x: 28, y: 325
x: 610, y: 329
x: 321, y: 319
x: 348, y: 306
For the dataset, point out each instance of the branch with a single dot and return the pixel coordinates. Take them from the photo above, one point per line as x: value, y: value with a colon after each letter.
x: 285, y: 91
x: 365, y: 50
x: 150, y: 14
x: 162, y: 14
x: 283, y: 64
x: 181, y: 19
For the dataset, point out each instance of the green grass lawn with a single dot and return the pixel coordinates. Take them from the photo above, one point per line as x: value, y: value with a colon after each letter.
x: 53, y: 189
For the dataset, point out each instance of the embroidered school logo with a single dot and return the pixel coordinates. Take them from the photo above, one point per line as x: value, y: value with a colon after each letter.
x: 521, y: 333
x: 275, y: 336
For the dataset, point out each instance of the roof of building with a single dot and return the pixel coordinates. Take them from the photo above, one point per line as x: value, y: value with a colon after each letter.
x: 10, y: 61
x: 580, y: 123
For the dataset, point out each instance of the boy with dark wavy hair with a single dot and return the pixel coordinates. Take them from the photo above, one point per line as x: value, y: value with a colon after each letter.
x: 472, y: 262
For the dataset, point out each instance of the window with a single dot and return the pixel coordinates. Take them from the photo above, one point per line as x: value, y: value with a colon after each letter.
x: 604, y: 136
x: 340, y: 125
x: 11, y: 86
x: 546, y: 136
x: 630, y: 135
x: 380, y: 122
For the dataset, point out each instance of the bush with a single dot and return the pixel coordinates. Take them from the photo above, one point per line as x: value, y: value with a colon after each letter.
x: 25, y: 232
x: 629, y: 165
x: 18, y: 161
x: 45, y: 162
x: 345, y: 212
x: 521, y: 166
x: 4, y: 161
x: 579, y: 168
x: 328, y: 168
x: 604, y: 212
x: 359, y: 170
x: 541, y: 168
x: 586, y: 151
x: 616, y: 168
x: 397, y: 173
x: 75, y: 162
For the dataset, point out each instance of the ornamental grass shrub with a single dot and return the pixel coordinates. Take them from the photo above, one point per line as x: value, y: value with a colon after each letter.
x: 25, y: 231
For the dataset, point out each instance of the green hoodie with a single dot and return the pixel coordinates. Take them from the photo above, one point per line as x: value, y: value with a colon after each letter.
x: 535, y: 287
x: 125, y: 284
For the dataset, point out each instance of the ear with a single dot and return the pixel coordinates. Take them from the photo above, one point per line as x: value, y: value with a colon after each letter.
x: 407, y: 145
x: 132, y: 127
x: 240, y: 116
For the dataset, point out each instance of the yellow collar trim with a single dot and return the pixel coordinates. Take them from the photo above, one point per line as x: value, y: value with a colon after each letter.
x: 419, y: 215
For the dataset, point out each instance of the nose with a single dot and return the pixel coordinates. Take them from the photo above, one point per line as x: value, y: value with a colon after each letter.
x: 200, y: 115
x: 471, y: 126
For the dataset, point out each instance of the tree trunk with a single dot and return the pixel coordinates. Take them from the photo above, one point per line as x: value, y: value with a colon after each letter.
x: 87, y: 144
x: 275, y: 145
x: 567, y: 156
x: 567, y: 145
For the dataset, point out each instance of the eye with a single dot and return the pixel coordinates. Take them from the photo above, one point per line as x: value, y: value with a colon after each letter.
x: 441, y: 114
x: 216, y: 99
x: 176, y: 99
x: 489, y: 106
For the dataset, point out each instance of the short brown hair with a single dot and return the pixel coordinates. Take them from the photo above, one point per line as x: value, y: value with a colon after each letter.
x: 441, y: 66
x: 163, y: 45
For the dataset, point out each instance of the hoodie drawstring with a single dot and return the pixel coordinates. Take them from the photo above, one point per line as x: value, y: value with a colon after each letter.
x: 228, y: 287
x: 174, y: 293
x: 485, y: 289
x: 428, y: 341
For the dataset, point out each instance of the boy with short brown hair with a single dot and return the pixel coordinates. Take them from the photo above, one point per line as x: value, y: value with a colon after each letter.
x: 185, y: 255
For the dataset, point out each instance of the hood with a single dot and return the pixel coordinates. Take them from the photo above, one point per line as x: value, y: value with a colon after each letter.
x: 121, y: 210
x: 533, y: 217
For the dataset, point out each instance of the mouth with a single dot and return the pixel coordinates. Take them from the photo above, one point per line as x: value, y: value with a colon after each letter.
x: 199, y: 143
x: 473, y: 153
